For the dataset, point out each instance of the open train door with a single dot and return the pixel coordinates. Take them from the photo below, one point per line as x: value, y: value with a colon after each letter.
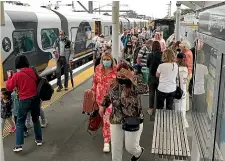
x: 98, y: 28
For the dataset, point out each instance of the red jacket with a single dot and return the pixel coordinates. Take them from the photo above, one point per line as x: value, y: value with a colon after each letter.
x: 26, y: 85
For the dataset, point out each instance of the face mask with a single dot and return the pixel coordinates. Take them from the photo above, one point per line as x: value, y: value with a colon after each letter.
x: 124, y: 81
x: 107, y: 63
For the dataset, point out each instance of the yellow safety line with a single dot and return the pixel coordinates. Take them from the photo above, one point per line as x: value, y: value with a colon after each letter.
x: 79, y: 79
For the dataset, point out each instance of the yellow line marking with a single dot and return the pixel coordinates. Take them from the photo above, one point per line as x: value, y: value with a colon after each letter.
x: 80, y: 78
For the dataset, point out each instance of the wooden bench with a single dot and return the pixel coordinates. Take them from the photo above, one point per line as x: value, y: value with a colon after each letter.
x: 170, y: 137
x: 204, y: 139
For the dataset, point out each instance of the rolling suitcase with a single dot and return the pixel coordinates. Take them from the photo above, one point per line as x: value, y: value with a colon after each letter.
x: 89, y: 104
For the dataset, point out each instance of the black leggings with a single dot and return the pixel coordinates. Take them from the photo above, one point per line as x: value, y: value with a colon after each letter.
x: 25, y: 127
x: 161, y: 97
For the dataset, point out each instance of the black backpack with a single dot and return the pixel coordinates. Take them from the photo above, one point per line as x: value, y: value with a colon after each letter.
x: 44, y: 89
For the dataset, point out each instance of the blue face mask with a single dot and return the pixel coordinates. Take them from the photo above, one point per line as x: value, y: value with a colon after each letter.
x: 107, y: 63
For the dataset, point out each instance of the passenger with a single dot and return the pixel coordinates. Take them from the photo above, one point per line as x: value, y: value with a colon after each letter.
x: 125, y: 37
x: 6, y: 107
x: 162, y: 42
x: 15, y: 100
x: 25, y: 81
x: 185, y: 48
x: 201, y: 72
x: 63, y: 50
x: 153, y: 62
x: 125, y: 102
x: 44, y: 121
x: 183, y: 73
x: 144, y: 52
x: 167, y: 73
x: 100, y: 47
x: 145, y: 34
x: 104, y: 74
x: 128, y: 51
x: 138, y: 47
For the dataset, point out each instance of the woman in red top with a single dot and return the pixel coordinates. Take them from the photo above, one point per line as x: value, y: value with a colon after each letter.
x: 25, y: 81
x: 105, y: 72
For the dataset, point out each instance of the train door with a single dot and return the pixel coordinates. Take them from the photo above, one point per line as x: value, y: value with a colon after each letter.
x: 98, y: 27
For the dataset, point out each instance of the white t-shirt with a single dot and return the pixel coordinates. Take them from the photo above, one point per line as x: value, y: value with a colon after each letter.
x: 167, y: 79
x: 199, y: 84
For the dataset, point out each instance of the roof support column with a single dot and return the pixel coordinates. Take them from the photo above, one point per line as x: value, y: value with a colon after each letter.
x: 178, y: 17
x: 2, y: 80
x: 115, y: 30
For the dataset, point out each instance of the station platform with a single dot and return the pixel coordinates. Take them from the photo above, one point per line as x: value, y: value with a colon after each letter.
x: 66, y: 137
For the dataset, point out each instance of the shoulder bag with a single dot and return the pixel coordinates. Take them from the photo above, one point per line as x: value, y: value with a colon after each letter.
x: 129, y: 123
x: 179, y: 92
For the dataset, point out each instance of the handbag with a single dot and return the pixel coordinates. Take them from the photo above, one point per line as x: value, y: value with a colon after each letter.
x: 129, y: 123
x: 179, y: 92
x: 94, y: 123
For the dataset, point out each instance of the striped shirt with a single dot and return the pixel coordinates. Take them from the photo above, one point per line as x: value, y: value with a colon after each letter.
x: 143, y: 54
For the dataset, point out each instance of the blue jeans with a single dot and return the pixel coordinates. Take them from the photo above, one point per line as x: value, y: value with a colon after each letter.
x: 32, y: 105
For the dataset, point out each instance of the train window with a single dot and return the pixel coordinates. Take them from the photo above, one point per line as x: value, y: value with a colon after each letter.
x: 106, y: 30
x: 23, y: 41
x: 48, y: 37
x: 88, y: 33
x: 110, y: 30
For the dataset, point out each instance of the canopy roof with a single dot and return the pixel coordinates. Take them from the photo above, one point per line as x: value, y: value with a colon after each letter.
x: 201, y: 5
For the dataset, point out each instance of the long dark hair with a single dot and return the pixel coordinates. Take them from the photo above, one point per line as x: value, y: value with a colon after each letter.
x: 156, y: 46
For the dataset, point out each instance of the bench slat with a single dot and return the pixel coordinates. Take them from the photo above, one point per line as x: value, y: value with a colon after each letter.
x: 161, y: 133
x: 165, y: 133
x: 183, y: 143
x: 175, y: 135
x: 178, y: 134
x: 168, y: 132
x: 171, y: 137
x: 155, y: 132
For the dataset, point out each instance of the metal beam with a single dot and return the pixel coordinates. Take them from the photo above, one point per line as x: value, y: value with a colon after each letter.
x: 86, y: 10
x: 104, y: 11
x: 90, y: 6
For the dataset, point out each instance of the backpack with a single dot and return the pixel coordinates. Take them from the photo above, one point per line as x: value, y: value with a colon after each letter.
x: 44, y: 89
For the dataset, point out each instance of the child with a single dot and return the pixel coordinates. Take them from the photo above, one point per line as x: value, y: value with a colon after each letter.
x: 15, y: 108
x: 6, y: 107
x: 44, y: 121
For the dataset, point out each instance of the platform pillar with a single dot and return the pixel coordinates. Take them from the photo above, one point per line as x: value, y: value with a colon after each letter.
x: 115, y: 30
x: 178, y: 17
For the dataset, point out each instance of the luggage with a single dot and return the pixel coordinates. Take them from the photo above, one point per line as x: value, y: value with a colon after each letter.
x: 145, y: 72
x: 89, y: 104
x: 94, y: 123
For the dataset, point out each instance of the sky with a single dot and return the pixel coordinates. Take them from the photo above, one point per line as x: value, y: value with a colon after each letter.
x: 153, y: 8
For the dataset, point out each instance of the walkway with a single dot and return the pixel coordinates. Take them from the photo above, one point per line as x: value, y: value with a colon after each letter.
x: 66, y: 139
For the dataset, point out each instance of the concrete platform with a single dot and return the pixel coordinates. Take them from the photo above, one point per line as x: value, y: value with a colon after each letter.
x: 66, y: 138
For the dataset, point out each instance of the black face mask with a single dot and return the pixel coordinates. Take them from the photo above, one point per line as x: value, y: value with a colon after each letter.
x: 124, y: 81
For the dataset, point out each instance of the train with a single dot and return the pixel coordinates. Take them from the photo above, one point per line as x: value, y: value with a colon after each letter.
x: 32, y: 31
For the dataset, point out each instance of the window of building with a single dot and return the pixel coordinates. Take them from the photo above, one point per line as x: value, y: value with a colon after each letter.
x: 48, y: 37
x: 23, y: 41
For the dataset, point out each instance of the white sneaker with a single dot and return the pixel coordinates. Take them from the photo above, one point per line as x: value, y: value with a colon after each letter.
x: 106, y: 148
